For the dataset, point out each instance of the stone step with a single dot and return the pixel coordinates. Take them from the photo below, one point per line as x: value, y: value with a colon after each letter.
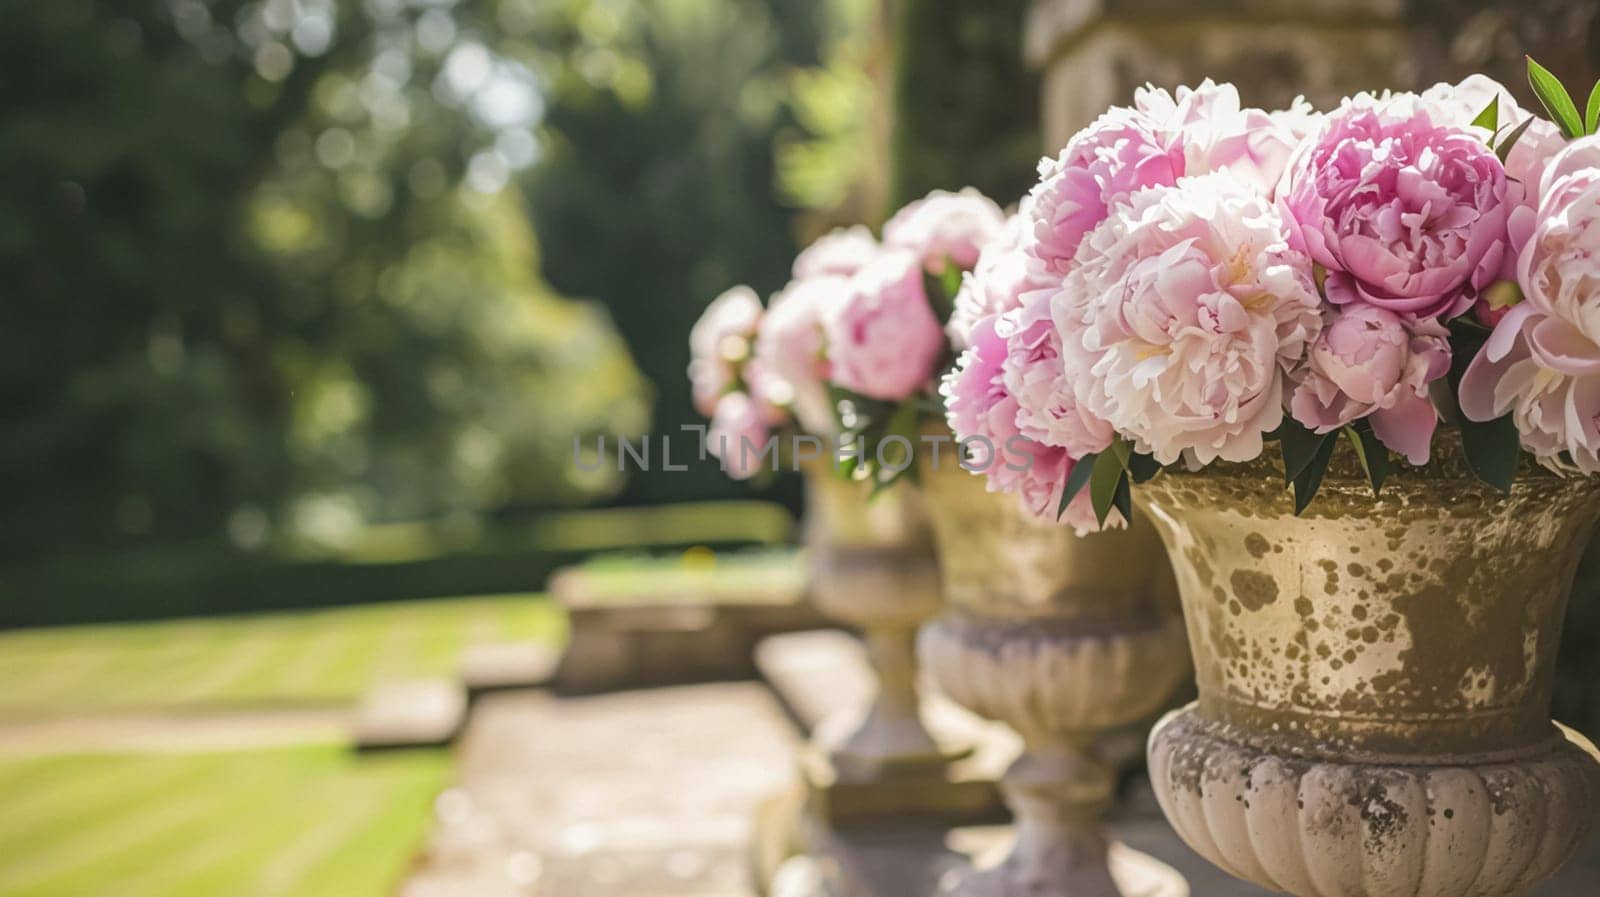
x: 413, y: 713
x: 500, y: 666
x: 624, y: 638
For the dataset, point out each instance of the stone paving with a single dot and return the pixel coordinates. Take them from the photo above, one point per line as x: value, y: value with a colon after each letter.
x: 654, y: 793
x: 641, y: 793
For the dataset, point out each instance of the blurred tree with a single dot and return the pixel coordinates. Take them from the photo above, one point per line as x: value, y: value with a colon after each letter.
x: 656, y: 189
x: 966, y: 106
x: 267, y: 278
x: 835, y: 162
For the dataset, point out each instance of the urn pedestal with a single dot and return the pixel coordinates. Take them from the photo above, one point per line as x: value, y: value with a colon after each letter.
x: 872, y: 567
x: 1064, y: 639
x: 1374, y: 679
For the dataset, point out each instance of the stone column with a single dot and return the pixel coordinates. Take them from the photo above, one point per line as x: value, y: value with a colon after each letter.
x: 1092, y: 54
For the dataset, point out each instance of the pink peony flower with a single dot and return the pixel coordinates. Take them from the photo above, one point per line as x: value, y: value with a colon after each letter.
x: 1161, y: 138
x: 738, y: 435
x: 983, y: 416
x: 1369, y: 362
x: 1215, y: 132
x: 1542, y: 362
x: 1185, y: 311
x: 996, y: 283
x: 789, y: 349
x: 945, y: 228
x: 1048, y: 409
x: 1407, y: 213
x: 1458, y: 105
x: 719, y: 343
x: 883, y: 339
x: 838, y: 253
x: 1120, y: 153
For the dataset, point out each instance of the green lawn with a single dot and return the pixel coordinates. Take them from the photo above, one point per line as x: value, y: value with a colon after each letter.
x: 304, y: 821
x: 695, y: 574
x: 312, y: 657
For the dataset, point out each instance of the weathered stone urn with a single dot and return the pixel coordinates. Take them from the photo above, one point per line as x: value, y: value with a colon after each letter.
x: 873, y: 568
x: 1062, y: 638
x: 1375, y: 679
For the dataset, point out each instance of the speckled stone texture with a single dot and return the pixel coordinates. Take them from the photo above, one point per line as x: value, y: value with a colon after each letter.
x: 1375, y: 678
x: 1330, y: 829
x: 1062, y: 638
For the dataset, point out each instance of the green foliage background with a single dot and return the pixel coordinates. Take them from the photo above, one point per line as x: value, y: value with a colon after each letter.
x: 250, y: 293
x: 273, y: 274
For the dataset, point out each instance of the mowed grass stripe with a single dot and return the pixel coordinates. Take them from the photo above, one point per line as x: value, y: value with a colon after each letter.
x: 224, y: 860
x: 323, y: 656
x: 248, y: 678
x: 397, y: 656
x: 222, y: 828
x: 345, y: 809
x: 174, y: 674
x: 354, y: 663
x: 93, y: 789
x: 15, y: 773
x: 318, y: 650
x: 113, y: 669
x: 110, y: 846
x: 376, y: 859
x: 55, y: 679
x: 279, y: 867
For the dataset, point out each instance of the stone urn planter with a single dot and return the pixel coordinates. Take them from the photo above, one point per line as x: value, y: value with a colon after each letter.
x: 1064, y: 639
x: 1375, y: 679
x: 872, y: 567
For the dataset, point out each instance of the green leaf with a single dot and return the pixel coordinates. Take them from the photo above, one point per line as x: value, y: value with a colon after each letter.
x: 845, y: 465
x: 1123, y: 499
x: 1143, y: 467
x: 1299, y: 446
x: 1107, y: 478
x: 1489, y: 118
x: 1372, y: 453
x: 950, y: 279
x: 905, y: 419
x: 938, y: 302
x: 1122, y: 450
x: 1591, y: 116
x: 1503, y: 151
x: 941, y: 289
x: 1355, y: 443
x: 1076, y: 480
x: 1555, y: 98
x: 1309, y: 479
x: 1493, y: 450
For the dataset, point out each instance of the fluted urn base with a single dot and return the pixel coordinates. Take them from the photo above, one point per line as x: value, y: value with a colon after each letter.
x: 1060, y: 684
x: 885, y: 594
x: 1338, y: 827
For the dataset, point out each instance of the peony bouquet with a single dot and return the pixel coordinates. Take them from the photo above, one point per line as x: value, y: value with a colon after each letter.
x: 1192, y: 280
x: 851, y: 349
